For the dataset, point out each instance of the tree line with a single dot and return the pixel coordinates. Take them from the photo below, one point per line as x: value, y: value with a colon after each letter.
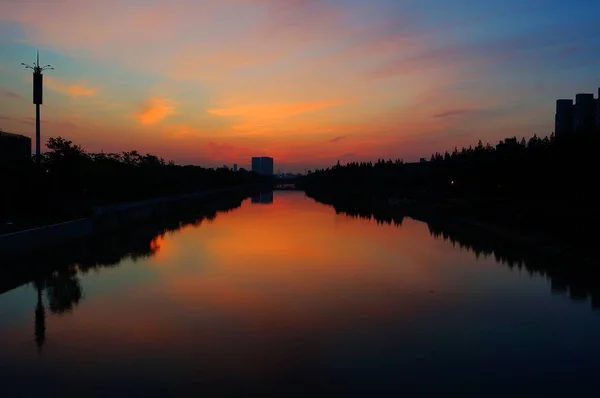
x: 67, y: 182
x: 544, y: 186
x: 546, y: 168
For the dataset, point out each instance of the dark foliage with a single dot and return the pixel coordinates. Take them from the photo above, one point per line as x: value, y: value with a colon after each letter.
x: 537, y: 168
x: 57, y: 272
x: 547, y: 182
x: 580, y: 280
x: 68, y: 182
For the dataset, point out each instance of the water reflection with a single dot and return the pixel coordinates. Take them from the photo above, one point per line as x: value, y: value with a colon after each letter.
x: 57, y: 272
x: 580, y: 281
x: 292, y: 297
x: 40, y: 316
x: 264, y: 198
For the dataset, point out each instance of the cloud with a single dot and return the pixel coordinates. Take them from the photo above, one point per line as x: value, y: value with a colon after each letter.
x: 270, y: 111
x: 453, y: 113
x: 226, y: 153
x: 155, y: 110
x: 488, y: 113
x: 304, y: 20
x: 11, y: 94
x: 24, y: 120
x: 339, y: 138
x: 74, y: 90
x: 515, y: 47
x: 347, y: 156
x: 267, y: 117
x: 180, y: 131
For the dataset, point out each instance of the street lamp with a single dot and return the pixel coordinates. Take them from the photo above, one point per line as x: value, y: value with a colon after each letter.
x: 37, y: 97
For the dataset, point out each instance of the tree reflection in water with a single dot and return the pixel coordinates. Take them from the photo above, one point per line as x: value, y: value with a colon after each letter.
x: 58, y: 277
x: 581, y: 281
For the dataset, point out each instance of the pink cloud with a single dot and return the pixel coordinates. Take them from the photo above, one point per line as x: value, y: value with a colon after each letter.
x: 11, y: 94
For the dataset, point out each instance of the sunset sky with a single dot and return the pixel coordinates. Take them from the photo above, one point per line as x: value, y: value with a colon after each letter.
x: 305, y: 81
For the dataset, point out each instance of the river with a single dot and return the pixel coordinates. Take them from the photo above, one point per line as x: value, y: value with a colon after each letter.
x: 282, y: 296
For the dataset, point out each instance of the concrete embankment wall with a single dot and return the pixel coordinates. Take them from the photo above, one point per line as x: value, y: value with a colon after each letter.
x: 47, y: 236
x: 104, y: 219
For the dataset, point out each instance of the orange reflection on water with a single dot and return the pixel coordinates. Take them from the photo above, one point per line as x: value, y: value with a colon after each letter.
x: 296, y: 265
x: 257, y: 290
x: 156, y: 243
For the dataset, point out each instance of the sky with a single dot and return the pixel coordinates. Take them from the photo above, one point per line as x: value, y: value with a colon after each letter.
x: 307, y: 82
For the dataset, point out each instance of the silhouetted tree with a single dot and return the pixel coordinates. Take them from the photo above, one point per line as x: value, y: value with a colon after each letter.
x: 72, y: 181
x: 546, y: 181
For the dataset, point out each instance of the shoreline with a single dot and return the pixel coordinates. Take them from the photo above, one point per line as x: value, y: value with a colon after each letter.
x: 535, y: 243
x: 107, y: 219
x: 525, y: 233
x: 104, y: 250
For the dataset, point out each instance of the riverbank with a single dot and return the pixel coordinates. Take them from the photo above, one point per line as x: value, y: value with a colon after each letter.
x: 538, y: 226
x: 107, y: 219
x: 104, y: 250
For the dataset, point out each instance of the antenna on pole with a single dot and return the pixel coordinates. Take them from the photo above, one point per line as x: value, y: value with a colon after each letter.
x: 37, y: 96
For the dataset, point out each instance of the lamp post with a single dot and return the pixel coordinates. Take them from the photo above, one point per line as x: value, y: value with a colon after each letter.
x: 37, y: 97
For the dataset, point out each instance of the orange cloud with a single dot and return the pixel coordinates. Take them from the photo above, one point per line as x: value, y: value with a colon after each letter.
x: 264, y: 117
x: 71, y: 89
x: 156, y: 109
x: 271, y: 111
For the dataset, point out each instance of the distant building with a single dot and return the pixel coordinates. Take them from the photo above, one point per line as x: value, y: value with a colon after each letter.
x: 598, y: 113
x: 579, y: 118
x: 262, y: 165
x: 14, y: 147
x: 235, y: 167
x: 563, y: 119
x: 584, y: 115
x: 256, y: 165
x: 266, y: 165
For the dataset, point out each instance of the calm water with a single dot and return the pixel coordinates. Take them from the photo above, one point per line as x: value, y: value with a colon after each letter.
x: 283, y: 295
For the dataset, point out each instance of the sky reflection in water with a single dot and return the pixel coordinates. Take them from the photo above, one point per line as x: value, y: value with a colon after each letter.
x: 283, y: 294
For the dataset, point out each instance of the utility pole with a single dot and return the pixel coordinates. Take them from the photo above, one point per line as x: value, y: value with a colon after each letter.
x: 37, y: 97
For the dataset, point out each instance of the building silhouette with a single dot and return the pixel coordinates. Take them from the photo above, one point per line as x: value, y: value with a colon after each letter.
x: 256, y: 164
x: 563, y: 119
x: 581, y: 117
x: 584, y: 115
x: 262, y: 165
x: 14, y: 147
x: 235, y: 167
x: 598, y: 112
